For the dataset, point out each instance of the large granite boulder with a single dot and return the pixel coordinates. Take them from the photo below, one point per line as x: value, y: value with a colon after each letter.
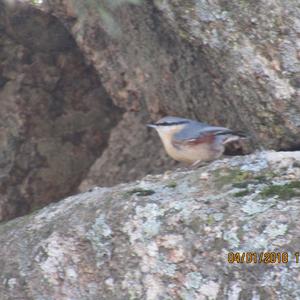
x: 203, y: 234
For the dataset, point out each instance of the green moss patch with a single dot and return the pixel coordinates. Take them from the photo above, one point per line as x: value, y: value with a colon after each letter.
x: 140, y: 192
x: 231, y: 176
x: 285, y: 191
x: 266, y: 176
x: 244, y: 184
x: 171, y: 184
x: 242, y: 193
x: 238, y: 178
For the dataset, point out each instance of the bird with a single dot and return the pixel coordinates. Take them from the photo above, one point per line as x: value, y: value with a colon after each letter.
x: 194, y: 142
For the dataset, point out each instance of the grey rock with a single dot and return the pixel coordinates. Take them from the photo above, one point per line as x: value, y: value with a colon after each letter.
x: 55, y: 116
x: 150, y: 240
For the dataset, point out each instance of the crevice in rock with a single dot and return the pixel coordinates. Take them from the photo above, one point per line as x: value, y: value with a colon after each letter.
x: 295, y: 147
x: 55, y: 116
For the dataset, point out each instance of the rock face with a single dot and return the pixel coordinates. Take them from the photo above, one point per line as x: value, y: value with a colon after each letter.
x: 69, y: 69
x: 55, y: 116
x: 230, y: 63
x: 165, y: 237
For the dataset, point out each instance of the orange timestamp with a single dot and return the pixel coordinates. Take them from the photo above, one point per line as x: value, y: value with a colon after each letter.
x: 262, y: 257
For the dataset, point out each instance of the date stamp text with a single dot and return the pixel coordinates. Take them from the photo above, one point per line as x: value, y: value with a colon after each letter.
x: 263, y: 257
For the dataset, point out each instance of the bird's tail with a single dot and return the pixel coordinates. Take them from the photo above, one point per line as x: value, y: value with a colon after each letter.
x: 240, y: 134
x: 228, y: 136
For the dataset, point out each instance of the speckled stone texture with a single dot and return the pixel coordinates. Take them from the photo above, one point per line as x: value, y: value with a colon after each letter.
x: 68, y: 67
x: 234, y: 63
x: 163, y: 237
x: 230, y: 63
x: 55, y: 116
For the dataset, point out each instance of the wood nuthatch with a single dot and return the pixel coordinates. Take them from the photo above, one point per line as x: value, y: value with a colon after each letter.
x: 193, y: 142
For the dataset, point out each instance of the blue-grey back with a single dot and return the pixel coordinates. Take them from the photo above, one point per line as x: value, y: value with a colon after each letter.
x: 194, y: 130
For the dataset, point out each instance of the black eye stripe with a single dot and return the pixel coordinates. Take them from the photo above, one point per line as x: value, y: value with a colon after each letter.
x: 171, y: 123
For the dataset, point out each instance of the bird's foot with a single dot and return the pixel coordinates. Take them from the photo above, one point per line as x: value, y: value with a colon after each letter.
x: 197, y: 164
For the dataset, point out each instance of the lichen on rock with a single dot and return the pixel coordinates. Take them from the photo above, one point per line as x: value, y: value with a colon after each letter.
x: 171, y: 244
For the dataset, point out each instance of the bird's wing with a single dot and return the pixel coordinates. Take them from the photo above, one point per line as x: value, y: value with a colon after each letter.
x: 206, y: 134
x: 224, y: 131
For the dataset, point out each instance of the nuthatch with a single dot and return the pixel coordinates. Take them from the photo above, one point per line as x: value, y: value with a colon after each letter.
x: 193, y: 142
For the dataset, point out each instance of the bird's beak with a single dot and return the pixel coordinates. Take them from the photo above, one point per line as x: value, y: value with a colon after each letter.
x: 151, y: 125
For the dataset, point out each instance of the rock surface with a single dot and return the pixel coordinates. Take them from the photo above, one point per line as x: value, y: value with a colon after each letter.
x: 230, y: 63
x: 164, y: 237
x: 226, y: 62
x: 69, y: 69
x: 51, y: 103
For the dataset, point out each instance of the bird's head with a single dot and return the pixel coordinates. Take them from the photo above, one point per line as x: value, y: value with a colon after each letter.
x: 168, y: 126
